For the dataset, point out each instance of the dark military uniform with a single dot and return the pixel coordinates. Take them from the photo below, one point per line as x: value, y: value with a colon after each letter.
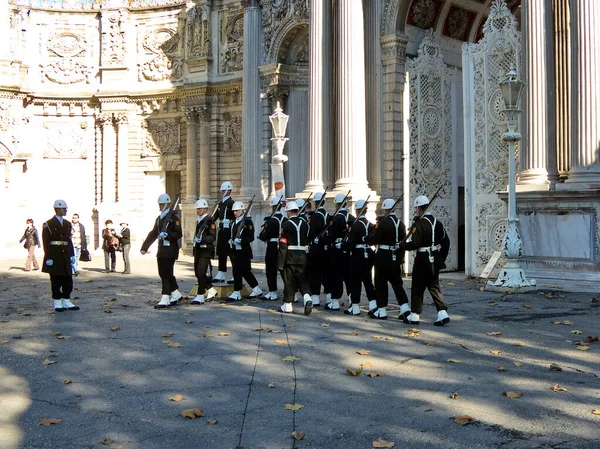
x: 428, y: 238
x: 294, y: 235
x: 58, y: 248
x: 388, y: 260
x: 224, y: 235
x: 361, y: 260
x: 204, y: 251
x: 340, y: 258
x: 317, y: 268
x: 270, y: 235
x: 241, y: 253
x: 168, y: 249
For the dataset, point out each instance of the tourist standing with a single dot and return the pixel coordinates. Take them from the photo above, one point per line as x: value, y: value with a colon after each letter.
x: 125, y: 243
x: 32, y: 240
x: 79, y: 241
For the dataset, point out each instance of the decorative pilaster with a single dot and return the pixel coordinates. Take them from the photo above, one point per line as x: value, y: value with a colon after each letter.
x: 4, y: 30
x: 191, y: 120
x: 585, y: 51
x: 204, y: 137
x: 122, y: 182
x: 562, y: 55
x: 251, y: 115
x: 320, y: 89
x: 351, y: 155
x: 109, y: 159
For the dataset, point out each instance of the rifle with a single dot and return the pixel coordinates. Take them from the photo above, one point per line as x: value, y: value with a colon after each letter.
x: 205, y: 224
x: 358, y: 215
x: 388, y: 213
x: 305, y: 203
x: 409, y: 233
x: 238, y: 234
x: 172, y: 210
x: 322, y: 200
x: 326, y: 227
x: 277, y: 207
x: 214, y: 212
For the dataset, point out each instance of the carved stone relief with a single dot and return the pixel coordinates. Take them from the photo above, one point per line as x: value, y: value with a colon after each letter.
x: 113, y: 37
x: 199, y: 44
x: 64, y: 141
x: 232, y: 131
x: 162, y: 137
x: 67, y: 59
x: 160, y: 47
x: 232, y: 38
x: 279, y: 19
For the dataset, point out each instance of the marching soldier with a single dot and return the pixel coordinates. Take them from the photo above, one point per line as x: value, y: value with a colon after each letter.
x: 317, y: 268
x: 242, y: 233
x: 270, y: 235
x: 388, y: 260
x: 224, y: 235
x: 167, y: 229
x: 59, y: 256
x: 361, y: 259
x: 339, y: 258
x: 431, y: 243
x: 294, y: 242
x: 204, y: 250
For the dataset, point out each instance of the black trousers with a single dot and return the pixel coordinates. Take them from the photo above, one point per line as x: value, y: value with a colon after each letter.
x: 110, y: 260
x: 425, y: 277
x: 318, y: 271
x: 200, y: 268
x: 62, y: 286
x: 339, y: 272
x: 242, y: 269
x: 294, y: 279
x: 165, y: 271
x: 126, y: 249
x: 387, y: 271
x: 271, y: 265
x: 360, y: 274
x: 223, y: 249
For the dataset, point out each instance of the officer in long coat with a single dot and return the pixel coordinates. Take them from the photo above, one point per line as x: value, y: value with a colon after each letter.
x: 59, y: 256
x: 317, y: 268
x: 204, y: 250
x: 167, y: 229
x: 270, y: 235
x: 225, y: 216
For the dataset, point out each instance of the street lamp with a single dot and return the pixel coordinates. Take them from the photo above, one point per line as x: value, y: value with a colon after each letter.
x: 512, y: 278
x: 279, y: 121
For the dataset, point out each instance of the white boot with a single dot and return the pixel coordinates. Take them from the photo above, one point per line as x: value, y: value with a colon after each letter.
x: 256, y: 292
x: 199, y: 299
x: 297, y: 296
x: 333, y: 305
x: 67, y: 304
x: 328, y: 298
x: 286, y: 307
x: 354, y: 309
x: 220, y: 277
x: 380, y: 314
x: 315, y: 301
x: 164, y: 302
x: 404, y: 311
x: 443, y: 318
x: 271, y: 296
x: 175, y: 297
x: 58, y: 305
x: 235, y: 296
x: 211, y: 293
x: 308, y: 304
x: 372, y: 305
x: 412, y: 318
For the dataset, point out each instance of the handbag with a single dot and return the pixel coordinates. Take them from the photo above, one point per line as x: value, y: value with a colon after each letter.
x: 85, y: 255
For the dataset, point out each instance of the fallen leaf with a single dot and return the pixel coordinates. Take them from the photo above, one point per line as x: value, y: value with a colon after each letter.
x: 376, y: 337
x: 363, y: 352
x: 298, y: 435
x: 189, y: 322
x: 291, y: 358
x: 554, y: 286
x: 224, y: 334
x: 258, y: 329
x: 281, y: 342
x: 168, y: 334
x: 512, y: 394
x: 493, y: 334
x: 567, y: 323
x: 453, y: 361
x: 519, y: 343
x: 62, y: 337
x: 527, y: 306
x: 595, y: 301
x: 501, y: 368
x: 107, y: 311
x: 549, y: 295
x: 556, y: 322
x: 88, y: 280
x: 166, y: 341
x: 17, y: 337
x: 208, y: 335
x: 354, y: 373
x: 491, y: 304
x: 271, y: 386
x: 174, y: 344
x: 48, y: 362
x: 324, y: 324
x: 388, y: 339
x: 596, y: 412
x: 431, y: 343
x: 271, y: 310
x: 450, y: 283
x: 454, y: 395
x: 211, y: 421
x: 373, y: 374
x: 555, y: 367
x: 356, y: 334
x: 576, y: 332
x: 107, y: 441
x: 3, y: 342
x: 583, y: 347
x: 294, y: 407
x: 517, y: 364
x: 367, y: 364
x: 187, y: 313
x: 192, y: 413
x: 495, y: 351
x: 557, y: 387
x: 463, y: 420
x: 115, y: 328
x: 176, y: 398
x: 67, y: 382
x: 382, y: 443
x: 49, y: 421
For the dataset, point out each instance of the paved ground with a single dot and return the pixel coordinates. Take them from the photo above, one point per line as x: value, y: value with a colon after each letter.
x: 113, y: 374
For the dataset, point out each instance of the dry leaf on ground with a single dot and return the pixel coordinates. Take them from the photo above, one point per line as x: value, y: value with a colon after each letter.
x: 557, y: 387
x: 379, y: 442
x: 208, y: 335
x: 356, y: 334
x: 168, y: 334
x: 271, y: 310
x: 596, y: 412
x: 3, y: 342
x: 298, y: 435
x: 324, y: 324
x: 174, y: 344
x: 188, y: 322
x: 192, y: 413
x: 363, y: 352
x: 453, y: 361
x: 373, y: 374
x: 495, y: 351
x: 67, y: 382
x: 258, y: 329
x: 567, y: 323
x: 517, y: 364
x: 108, y: 441
x: 493, y: 334
x: 431, y: 343
x: 463, y: 420
x: 555, y: 367
x: 491, y: 304
x: 17, y: 337
x: 501, y: 368
x: 49, y: 421
x: 176, y: 398
x: 454, y: 395
x: 512, y: 394
x: 576, y: 332
x: 224, y: 334
x: 354, y: 373
x: 519, y: 343
x: 115, y: 328
x: 294, y: 407
x: 63, y: 337
x: 291, y: 358
x: 527, y: 306
x: 376, y: 337
x: 270, y: 385
x: 49, y: 362
x: 367, y: 363
x: 583, y: 347
x: 281, y: 342
x: 211, y: 421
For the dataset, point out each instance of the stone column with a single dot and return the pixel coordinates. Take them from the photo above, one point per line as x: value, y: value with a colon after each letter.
x: 585, y: 60
x: 351, y: 139
x: 320, y: 90
x: 204, y: 137
x: 297, y: 147
x: 562, y: 54
x: 373, y: 78
x: 251, y: 115
x: 109, y: 157
x: 4, y: 30
x: 191, y: 183
x: 122, y: 184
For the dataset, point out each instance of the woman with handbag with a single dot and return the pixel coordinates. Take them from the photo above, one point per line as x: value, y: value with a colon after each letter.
x: 110, y: 243
x: 32, y: 239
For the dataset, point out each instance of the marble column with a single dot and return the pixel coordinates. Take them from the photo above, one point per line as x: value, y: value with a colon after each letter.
x: 251, y: 114
x: 351, y: 139
x: 297, y: 146
x: 109, y: 158
x: 373, y: 86
x: 562, y: 55
x: 204, y: 138
x: 191, y: 166
x: 585, y: 60
x: 4, y: 30
x: 122, y: 184
x: 320, y: 90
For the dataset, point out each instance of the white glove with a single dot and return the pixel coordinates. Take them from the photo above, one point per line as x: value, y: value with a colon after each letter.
x: 73, y: 259
x: 142, y: 252
x: 226, y: 222
x: 49, y: 262
x: 316, y: 241
x: 163, y: 235
x: 237, y: 241
x: 338, y: 245
x: 197, y: 240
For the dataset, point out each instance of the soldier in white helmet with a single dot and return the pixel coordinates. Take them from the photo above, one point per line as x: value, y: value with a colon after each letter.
x: 59, y: 257
x: 204, y: 250
x: 318, y: 267
x: 167, y: 229
x: 430, y: 242
x: 225, y: 216
x: 270, y: 235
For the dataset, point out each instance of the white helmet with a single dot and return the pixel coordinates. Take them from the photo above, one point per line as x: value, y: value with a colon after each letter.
x: 318, y: 196
x: 275, y: 200
x: 164, y: 198
x: 421, y: 201
x: 339, y: 198
x: 226, y: 186
x: 359, y: 204
x: 238, y: 205
x: 201, y: 204
x: 300, y: 202
x: 292, y: 205
x: 60, y: 204
x: 387, y: 204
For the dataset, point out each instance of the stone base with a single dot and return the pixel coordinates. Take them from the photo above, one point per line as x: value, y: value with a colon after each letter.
x: 511, y: 280
x: 223, y: 291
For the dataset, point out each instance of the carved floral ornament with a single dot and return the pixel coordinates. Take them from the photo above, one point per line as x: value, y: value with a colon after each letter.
x: 94, y: 5
x: 66, y: 63
x: 162, y: 44
x: 162, y: 137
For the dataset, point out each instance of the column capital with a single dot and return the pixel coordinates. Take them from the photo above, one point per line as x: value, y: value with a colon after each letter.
x: 393, y: 47
x: 104, y: 119
x: 247, y: 4
x: 121, y: 118
x: 189, y: 115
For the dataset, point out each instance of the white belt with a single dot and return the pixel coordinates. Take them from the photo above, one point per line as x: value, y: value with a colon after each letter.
x: 201, y: 246
x: 298, y: 248
x: 361, y: 246
x: 274, y: 239
x: 388, y: 247
x: 429, y: 248
x: 59, y: 242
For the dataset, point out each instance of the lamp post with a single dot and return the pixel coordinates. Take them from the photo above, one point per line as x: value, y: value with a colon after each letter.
x: 279, y: 121
x: 512, y: 278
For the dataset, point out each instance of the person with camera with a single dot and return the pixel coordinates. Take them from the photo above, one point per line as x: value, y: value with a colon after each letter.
x: 110, y: 243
